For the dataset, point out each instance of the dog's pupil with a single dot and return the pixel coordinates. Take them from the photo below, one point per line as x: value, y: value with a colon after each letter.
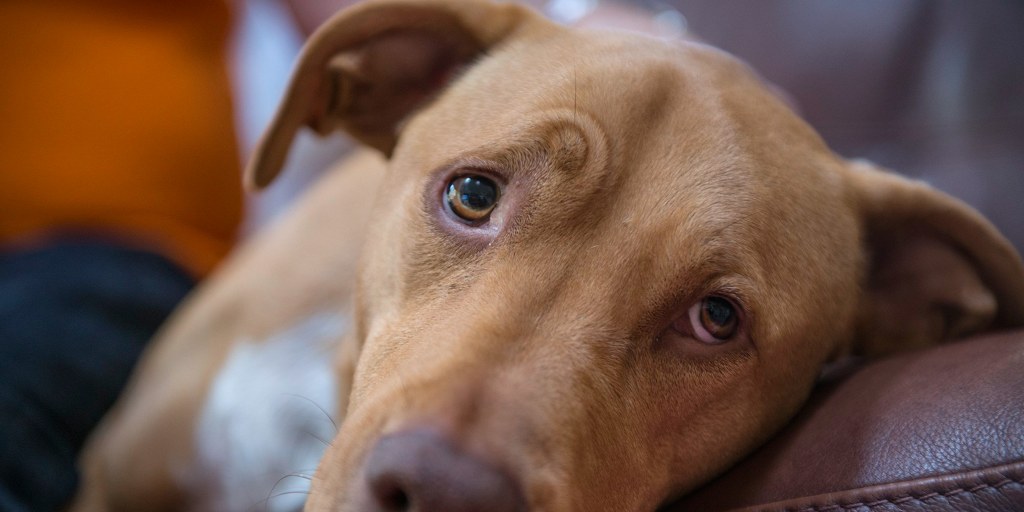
x: 718, y: 310
x: 478, y: 193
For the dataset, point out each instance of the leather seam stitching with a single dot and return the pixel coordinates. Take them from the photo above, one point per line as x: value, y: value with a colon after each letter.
x: 897, y: 500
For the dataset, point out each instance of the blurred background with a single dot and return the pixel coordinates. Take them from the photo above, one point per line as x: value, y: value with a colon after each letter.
x: 124, y: 125
x: 933, y: 89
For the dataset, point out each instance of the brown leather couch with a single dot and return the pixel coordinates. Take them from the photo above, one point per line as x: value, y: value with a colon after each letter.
x: 940, y: 429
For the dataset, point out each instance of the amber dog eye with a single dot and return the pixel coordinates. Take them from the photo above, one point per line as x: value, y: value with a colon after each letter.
x: 714, y: 319
x: 472, y: 197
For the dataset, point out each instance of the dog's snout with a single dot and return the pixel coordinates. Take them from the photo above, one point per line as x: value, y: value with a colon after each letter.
x: 421, y: 471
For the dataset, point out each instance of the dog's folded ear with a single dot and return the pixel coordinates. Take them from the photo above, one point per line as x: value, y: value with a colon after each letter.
x: 937, y: 269
x: 367, y: 68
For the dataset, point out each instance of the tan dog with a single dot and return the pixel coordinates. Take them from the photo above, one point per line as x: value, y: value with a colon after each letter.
x: 596, y: 270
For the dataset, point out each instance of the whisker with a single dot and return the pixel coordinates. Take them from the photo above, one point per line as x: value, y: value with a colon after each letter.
x: 286, y: 493
x: 266, y: 502
x: 270, y: 494
x: 318, y: 438
x: 324, y: 411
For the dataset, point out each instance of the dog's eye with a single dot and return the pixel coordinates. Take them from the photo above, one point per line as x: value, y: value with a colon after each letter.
x: 714, y: 319
x: 472, y: 197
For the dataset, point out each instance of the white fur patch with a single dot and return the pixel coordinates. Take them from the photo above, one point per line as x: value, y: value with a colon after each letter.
x: 268, y: 416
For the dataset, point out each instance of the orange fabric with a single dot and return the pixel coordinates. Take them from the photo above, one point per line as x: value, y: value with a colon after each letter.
x: 115, y: 117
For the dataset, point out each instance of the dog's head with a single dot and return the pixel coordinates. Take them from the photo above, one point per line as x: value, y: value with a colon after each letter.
x: 602, y: 267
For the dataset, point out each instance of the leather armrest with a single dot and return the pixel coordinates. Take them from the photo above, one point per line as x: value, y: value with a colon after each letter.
x: 934, y: 430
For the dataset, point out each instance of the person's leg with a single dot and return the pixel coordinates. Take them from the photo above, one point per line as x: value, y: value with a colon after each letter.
x: 74, y: 318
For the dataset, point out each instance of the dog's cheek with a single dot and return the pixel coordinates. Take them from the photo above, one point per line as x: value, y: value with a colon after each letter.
x: 383, y: 262
x: 629, y: 437
x: 708, y: 415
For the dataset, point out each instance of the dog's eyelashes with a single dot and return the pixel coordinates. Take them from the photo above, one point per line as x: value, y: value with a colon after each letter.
x: 713, y: 320
x: 472, y: 197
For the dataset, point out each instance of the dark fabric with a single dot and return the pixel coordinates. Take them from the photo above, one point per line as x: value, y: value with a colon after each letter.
x: 74, y: 318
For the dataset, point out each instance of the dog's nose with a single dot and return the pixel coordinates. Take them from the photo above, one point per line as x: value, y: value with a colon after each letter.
x: 420, y: 471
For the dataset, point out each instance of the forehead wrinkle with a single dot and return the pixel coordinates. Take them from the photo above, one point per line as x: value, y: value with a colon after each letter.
x: 673, y: 259
x: 687, y: 197
x: 688, y: 239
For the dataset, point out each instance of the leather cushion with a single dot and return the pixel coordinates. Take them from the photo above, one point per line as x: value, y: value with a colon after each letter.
x: 938, y: 429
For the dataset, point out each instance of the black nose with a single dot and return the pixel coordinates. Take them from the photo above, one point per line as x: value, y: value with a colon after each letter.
x: 419, y: 471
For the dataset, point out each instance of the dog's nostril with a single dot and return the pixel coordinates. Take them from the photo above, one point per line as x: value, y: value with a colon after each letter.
x: 419, y: 471
x: 399, y: 501
x: 389, y: 494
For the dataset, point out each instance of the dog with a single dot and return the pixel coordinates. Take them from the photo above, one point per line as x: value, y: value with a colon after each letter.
x: 575, y: 270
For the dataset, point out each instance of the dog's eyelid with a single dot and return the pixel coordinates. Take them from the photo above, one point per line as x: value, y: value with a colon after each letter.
x: 465, y: 165
x: 733, y: 285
